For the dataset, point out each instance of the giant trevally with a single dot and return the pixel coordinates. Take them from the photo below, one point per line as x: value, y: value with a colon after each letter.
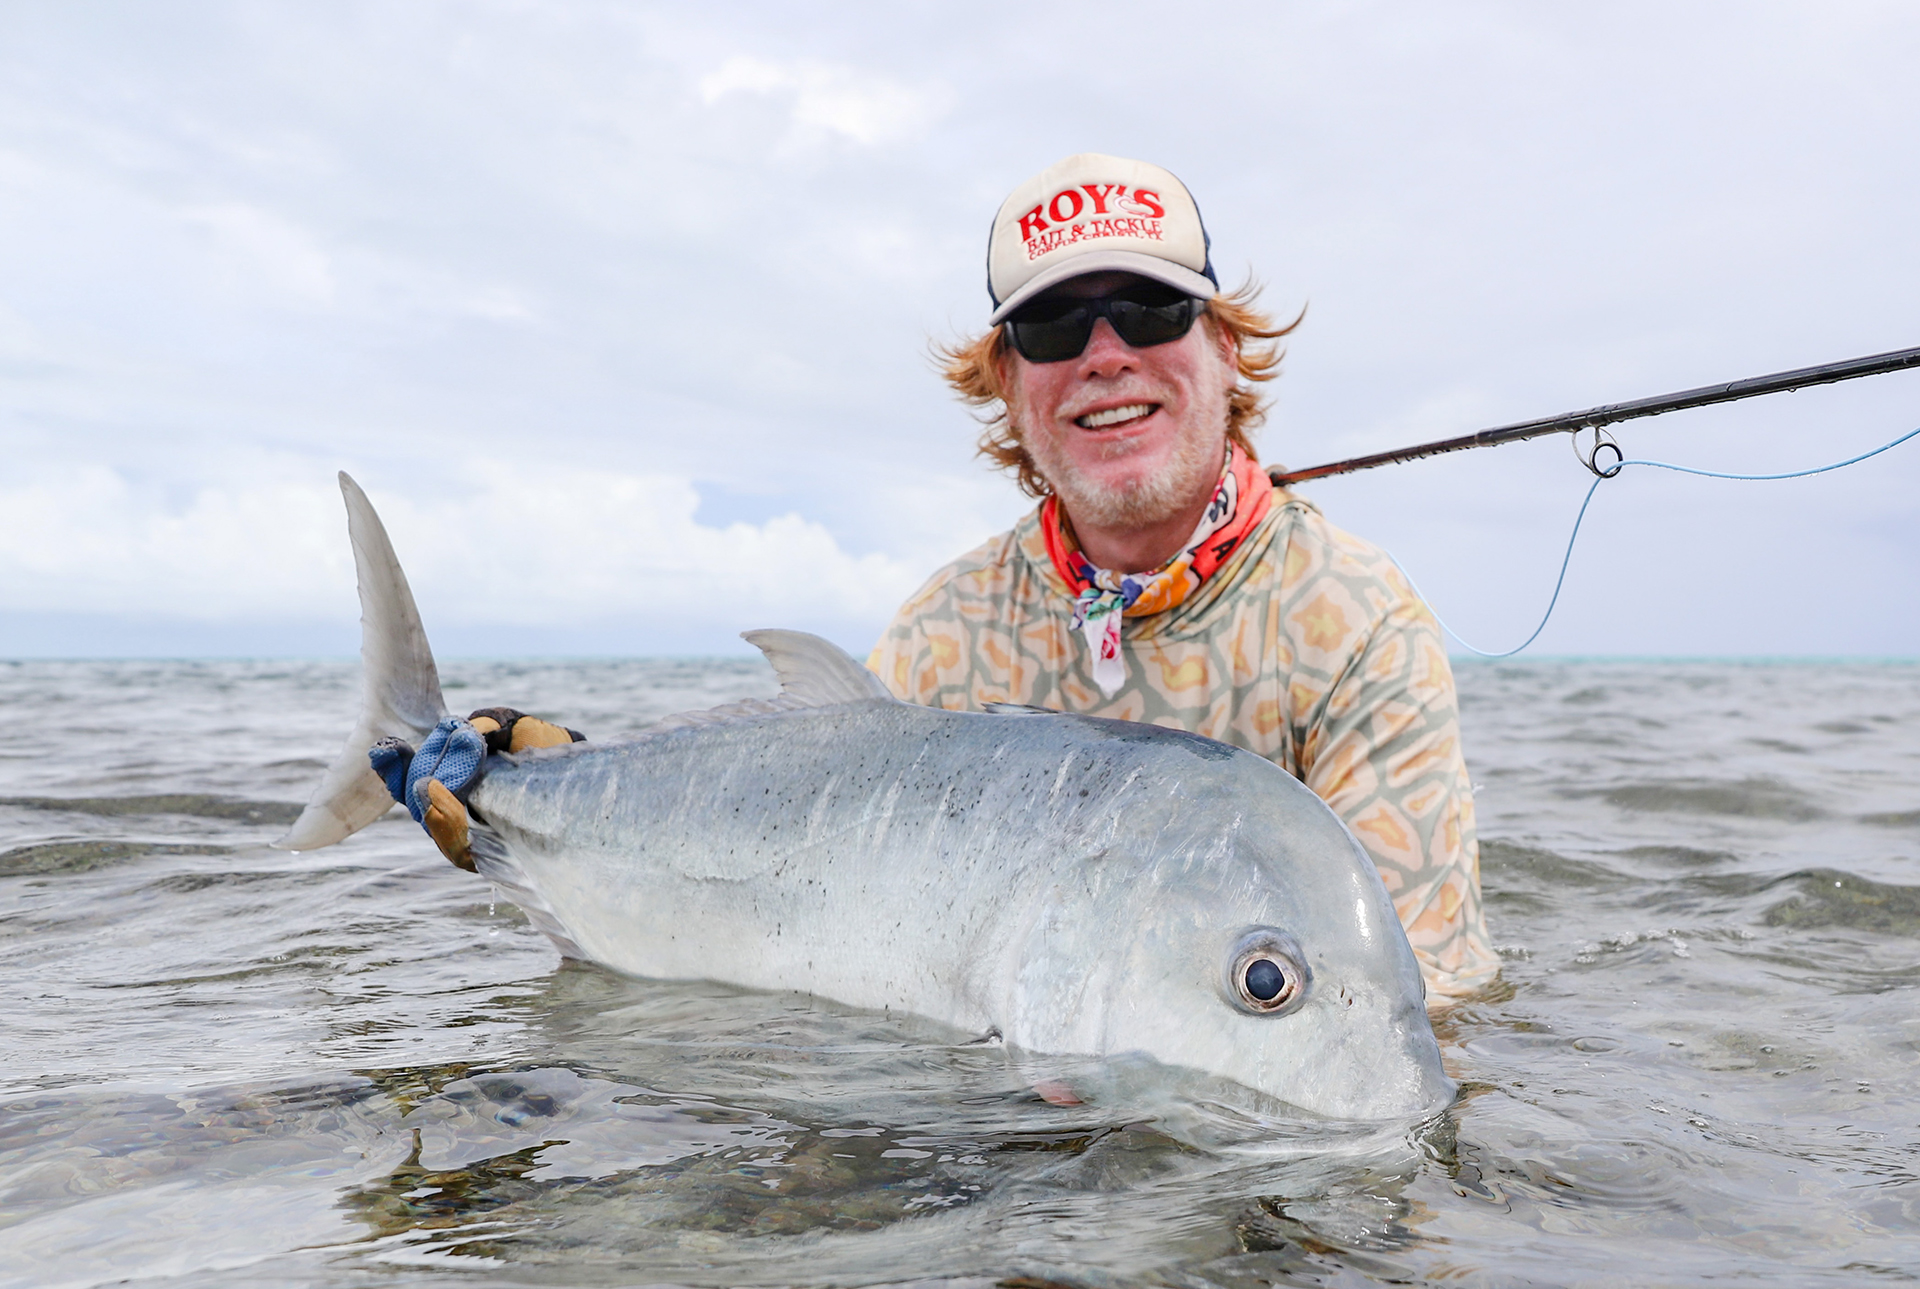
x: 1079, y: 886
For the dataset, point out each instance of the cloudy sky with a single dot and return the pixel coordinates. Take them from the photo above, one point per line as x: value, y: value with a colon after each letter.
x: 620, y: 312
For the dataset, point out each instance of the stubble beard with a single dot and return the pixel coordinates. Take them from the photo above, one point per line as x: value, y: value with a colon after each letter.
x: 1136, y: 503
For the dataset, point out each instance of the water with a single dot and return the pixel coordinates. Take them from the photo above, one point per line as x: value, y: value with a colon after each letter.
x: 224, y: 1065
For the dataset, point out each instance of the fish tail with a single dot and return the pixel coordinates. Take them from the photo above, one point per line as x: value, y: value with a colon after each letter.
x: 401, y: 686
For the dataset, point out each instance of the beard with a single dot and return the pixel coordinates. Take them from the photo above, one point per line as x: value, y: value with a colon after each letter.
x: 1189, y: 473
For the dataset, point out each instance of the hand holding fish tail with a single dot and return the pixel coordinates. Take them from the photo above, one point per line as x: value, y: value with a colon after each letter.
x: 432, y: 783
x: 448, y: 823
x: 509, y: 731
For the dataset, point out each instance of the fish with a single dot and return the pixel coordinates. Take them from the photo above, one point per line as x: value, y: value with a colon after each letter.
x: 1067, y: 884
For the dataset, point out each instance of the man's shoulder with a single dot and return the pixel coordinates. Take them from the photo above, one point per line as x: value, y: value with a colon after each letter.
x: 1320, y: 564
x: 1315, y: 545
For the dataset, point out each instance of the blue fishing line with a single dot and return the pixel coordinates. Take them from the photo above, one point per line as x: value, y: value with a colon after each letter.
x: 1573, y: 537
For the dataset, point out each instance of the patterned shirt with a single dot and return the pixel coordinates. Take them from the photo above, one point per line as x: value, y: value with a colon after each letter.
x: 1307, y: 647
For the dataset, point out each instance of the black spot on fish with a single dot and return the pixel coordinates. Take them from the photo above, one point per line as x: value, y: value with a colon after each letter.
x: 1134, y: 732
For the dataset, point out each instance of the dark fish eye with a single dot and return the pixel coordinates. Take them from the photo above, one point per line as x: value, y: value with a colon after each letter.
x: 1265, y: 980
x: 1267, y: 973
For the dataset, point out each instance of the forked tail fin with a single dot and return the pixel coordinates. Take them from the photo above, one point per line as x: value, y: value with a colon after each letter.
x: 400, y: 692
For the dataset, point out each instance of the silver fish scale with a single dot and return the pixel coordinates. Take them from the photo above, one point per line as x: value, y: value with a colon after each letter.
x: 1069, y: 881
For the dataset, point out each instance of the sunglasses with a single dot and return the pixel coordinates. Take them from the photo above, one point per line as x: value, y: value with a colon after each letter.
x: 1057, y: 328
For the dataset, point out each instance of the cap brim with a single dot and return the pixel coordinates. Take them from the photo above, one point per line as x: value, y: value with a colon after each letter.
x: 1177, y: 276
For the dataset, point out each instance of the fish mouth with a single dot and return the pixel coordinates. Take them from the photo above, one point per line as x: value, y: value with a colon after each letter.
x: 1127, y: 414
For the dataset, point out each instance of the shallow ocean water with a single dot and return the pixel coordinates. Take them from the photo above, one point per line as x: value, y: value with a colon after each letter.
x: 225, y: 1065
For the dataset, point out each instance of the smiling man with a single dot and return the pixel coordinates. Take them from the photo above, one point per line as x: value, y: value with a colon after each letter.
x: 1162, y: 577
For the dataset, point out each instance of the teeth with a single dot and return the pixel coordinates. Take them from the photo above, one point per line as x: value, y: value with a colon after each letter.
x: 1113, y: 416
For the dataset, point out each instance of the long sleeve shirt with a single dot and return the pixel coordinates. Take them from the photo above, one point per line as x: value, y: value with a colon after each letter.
x: 1308, y: 647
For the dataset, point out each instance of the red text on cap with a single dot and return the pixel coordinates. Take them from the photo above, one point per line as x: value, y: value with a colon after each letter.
x: 1068, y: 205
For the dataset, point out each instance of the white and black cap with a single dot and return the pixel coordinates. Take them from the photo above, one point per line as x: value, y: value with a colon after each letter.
x: 1096, y: 214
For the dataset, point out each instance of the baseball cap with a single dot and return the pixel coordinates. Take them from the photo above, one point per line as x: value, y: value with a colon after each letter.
x: 1093, y: 214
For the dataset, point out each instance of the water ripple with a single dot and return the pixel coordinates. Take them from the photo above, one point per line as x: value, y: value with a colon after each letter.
x: 229, y: 1066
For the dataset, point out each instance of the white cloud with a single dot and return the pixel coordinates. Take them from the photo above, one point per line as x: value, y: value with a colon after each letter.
x: 507, y: 542
x: 830, y: 99
x: 639, y: 245
x: 499, y: 304
x: 259, y: 245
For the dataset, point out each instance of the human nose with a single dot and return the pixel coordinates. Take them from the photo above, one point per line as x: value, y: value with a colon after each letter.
x: 1106, y: 353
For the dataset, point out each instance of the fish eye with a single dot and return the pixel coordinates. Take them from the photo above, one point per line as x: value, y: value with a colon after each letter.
x: 1267, y: 973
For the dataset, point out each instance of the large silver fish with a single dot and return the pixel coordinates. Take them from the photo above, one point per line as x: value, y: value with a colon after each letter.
x: 1078, y: 885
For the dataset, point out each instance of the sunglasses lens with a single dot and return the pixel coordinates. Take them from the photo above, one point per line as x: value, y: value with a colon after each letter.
x: 1144, y: 319
x: 1051, y: 331
x: 1054, y: 330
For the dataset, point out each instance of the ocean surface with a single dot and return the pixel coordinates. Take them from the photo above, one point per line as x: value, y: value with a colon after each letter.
x: 225, y: 1065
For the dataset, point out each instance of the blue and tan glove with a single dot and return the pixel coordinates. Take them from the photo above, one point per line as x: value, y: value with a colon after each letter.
x: 433, y: 782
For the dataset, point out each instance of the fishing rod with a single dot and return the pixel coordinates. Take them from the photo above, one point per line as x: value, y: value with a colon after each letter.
x: 1612, y: 413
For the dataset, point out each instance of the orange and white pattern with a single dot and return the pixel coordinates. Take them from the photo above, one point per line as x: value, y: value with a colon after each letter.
x: 1307, y: 647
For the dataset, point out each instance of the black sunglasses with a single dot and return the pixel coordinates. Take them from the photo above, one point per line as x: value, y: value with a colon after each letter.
x: 1056, y: 328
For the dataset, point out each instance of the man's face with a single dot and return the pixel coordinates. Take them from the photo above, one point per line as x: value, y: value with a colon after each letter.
x: 1127, y: 437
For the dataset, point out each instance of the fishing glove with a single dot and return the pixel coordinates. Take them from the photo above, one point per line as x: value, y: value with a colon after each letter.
x: 509, y: 731
x: 432, y: 783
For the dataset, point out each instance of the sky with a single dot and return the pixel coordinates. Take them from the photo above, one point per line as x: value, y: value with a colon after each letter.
x: 622, y: 313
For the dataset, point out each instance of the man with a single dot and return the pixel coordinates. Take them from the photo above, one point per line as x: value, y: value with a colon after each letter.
x: 1163, y: 578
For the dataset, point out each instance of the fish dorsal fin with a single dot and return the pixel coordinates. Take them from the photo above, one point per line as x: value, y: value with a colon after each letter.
x: 817, y: 672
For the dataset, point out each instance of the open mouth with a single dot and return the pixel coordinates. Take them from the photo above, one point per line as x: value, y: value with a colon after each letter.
x: 1116, y: 416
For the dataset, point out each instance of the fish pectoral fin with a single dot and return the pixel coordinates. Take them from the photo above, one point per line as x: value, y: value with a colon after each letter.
x: 817, y: 672
x: 1020, y: 709
x: 1057, y: 1092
